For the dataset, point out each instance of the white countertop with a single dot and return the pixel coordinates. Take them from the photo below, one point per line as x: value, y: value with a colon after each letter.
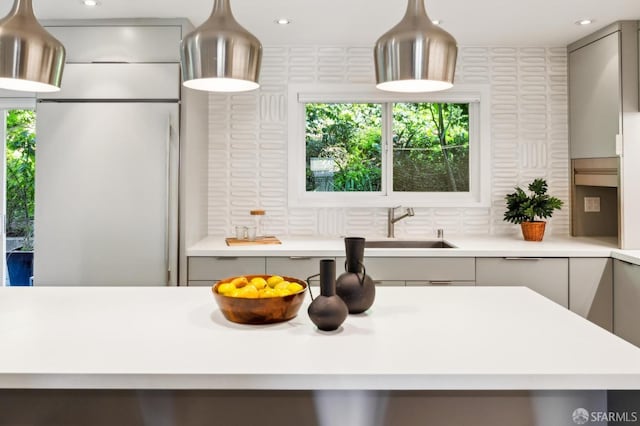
x: 413, y: 338
x: 631, y: 256
x: 480, y: 246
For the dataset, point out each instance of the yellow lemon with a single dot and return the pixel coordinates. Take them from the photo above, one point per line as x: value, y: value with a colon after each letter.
x: 258, y: 282
x: 226, y: 288
x: 281, y: 285
x: 268, y: 292
x: 233, y: 293
x: 239, y: 282
x: 282, y: 291
x: 273, y: 280
x: 294, y: 287
x: 248, y: 292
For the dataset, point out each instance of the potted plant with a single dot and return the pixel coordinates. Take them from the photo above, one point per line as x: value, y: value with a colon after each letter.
x: 523, y: 209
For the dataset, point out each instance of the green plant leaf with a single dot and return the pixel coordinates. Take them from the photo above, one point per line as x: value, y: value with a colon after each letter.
x: 526, y: 208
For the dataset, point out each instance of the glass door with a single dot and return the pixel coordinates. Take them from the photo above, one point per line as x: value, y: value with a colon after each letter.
x: 17, y: 194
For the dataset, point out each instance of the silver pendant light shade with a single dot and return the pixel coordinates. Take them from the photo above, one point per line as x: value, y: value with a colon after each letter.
x: 31, y: 59
x: 415, y: 55
x: 220, y: 55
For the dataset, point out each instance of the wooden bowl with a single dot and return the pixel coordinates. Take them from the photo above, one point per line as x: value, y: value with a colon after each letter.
x: 260, y: 311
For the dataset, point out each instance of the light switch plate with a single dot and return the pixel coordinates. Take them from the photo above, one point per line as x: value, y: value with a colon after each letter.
x: 591, y: 204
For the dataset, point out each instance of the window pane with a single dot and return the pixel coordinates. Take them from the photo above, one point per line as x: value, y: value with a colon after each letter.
x: 430, y: 147
x: 343, y: 147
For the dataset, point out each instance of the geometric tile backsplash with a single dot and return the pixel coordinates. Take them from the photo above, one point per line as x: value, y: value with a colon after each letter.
x: 248, y: 142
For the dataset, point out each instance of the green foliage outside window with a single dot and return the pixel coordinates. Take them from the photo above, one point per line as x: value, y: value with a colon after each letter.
x: 20, y: 159
x: 430, y: 147
x: 350, y: 136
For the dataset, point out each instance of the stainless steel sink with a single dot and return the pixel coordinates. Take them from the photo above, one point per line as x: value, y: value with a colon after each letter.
x: 408, y: 244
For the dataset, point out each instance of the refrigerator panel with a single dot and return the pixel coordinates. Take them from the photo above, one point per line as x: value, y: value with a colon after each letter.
x: 118, y: 81
x: 103, y: 208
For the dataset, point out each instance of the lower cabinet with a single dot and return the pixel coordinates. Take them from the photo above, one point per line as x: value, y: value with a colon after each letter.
x: 591, y: 290
x: 207, y: 270
x: 411, y: 271
x: 547, y: 276
x: 297, y: 267
x: 626, y: 301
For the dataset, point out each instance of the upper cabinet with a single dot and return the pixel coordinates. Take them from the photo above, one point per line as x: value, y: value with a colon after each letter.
x: 125, y: 43
x: 604, y: 119
x: 595, y: 95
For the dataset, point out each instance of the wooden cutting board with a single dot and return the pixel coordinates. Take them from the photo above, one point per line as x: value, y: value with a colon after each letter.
x: 258, y: 241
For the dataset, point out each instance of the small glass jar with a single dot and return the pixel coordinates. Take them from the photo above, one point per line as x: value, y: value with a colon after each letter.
x: 257, y: 221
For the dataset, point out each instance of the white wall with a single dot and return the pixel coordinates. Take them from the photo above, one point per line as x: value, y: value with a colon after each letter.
x: 248, y: 142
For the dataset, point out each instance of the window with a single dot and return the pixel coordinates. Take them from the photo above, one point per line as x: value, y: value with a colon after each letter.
x: 343, y: 147
x: 357, y: 147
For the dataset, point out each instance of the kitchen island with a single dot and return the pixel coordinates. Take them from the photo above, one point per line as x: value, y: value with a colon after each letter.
x: 425, y: 338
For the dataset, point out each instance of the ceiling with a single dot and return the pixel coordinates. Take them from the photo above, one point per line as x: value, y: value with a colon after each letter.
x: 361, y: 22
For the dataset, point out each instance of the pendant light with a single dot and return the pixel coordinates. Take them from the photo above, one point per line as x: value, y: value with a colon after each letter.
x: 415, y: 55
x: 220, y: 55
x: 31, y: 59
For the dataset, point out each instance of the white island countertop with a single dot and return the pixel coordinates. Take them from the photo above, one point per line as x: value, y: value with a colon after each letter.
x: 480, y: 338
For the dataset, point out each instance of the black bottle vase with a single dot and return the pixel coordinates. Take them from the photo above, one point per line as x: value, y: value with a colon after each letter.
x: 354, y: 286
x: 328, y: 311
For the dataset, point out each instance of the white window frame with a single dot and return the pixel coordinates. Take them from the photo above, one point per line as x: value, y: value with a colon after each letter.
x: 476, y: 96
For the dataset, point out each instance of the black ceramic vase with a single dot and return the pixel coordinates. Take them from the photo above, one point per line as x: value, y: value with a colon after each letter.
x: 328, y: 311
x: 354, y: 286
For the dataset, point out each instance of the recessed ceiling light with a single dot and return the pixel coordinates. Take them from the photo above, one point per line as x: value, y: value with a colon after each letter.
x: 283, y: 21
x: 91, y: 3
x: 584, y: 22
x: 436, y: 21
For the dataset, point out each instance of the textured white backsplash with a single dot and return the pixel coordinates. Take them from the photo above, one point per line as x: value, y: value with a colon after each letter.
x: 248, y: 142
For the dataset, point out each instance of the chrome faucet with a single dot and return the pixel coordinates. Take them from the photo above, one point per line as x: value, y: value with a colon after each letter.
x: 392, y: 219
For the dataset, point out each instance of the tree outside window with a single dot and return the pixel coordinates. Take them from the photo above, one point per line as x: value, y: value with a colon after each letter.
x: 429, y: 151
x: 430, y: 147
x: 20, y: 161
x: 343, y: 147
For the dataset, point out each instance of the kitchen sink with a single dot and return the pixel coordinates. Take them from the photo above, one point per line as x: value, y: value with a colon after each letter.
x: 408, y: 244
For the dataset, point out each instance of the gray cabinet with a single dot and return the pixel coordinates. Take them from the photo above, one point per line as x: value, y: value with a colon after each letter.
x: 548, y: 276
x: 603, y: 78
x: 594, y: 96
x: 206, y: 270
x: 626, y: 301
x: 127, y: 43
x: 300, y: 267
x: 591, y: 290
x: 118, y: 81
x: 400, y: 271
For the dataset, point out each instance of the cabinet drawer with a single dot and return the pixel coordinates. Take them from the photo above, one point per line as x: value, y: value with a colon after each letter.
x: 297, y: 267
x: 119, y: 43
x: 441, y: 283
x: 549, y: 277
x: 215, y: 268
x: 389, y: 283
x: 419, y: 268
x: 201, y: 283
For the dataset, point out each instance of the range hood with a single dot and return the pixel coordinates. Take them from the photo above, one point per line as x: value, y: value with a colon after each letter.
x: 596, y: 172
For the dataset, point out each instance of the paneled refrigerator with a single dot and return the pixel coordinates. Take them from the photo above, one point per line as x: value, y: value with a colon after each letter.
x: 106, y: 181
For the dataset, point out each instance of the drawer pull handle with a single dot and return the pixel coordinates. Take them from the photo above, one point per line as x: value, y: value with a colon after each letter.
x: 522, y: 258
x: 227, y: 258
x: 440, y: 282
x: 299, y: 257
